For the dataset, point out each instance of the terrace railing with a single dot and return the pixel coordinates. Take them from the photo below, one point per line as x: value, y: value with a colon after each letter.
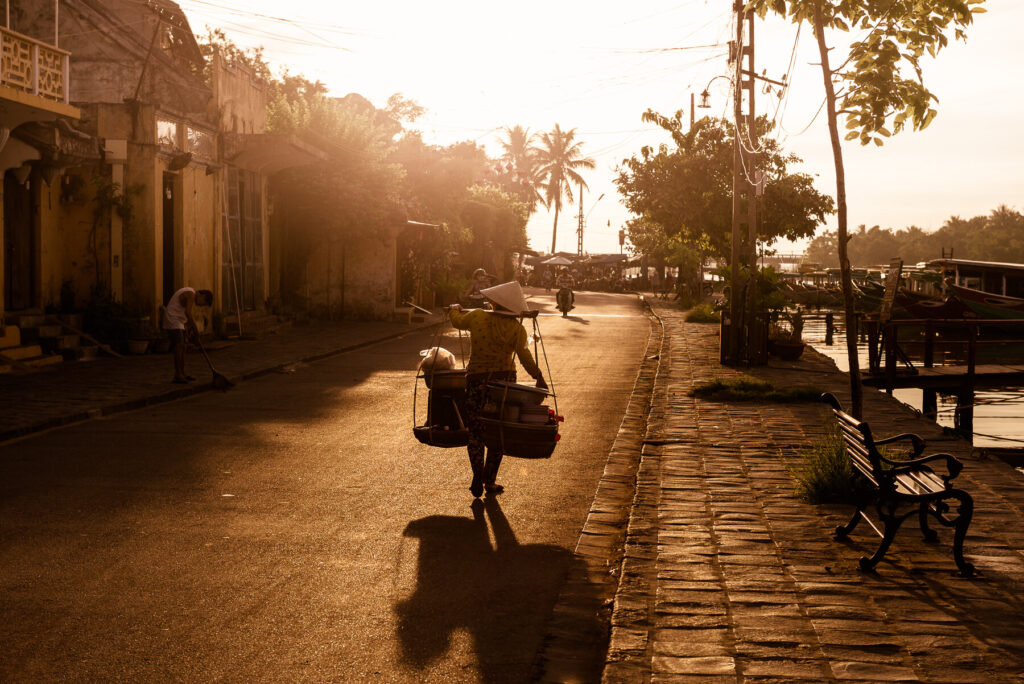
x: 34, y: 67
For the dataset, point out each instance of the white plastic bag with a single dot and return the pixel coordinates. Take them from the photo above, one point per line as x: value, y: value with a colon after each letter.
x: 437, y: 359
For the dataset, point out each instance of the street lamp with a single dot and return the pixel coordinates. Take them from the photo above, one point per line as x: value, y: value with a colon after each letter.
x: 705, y: 96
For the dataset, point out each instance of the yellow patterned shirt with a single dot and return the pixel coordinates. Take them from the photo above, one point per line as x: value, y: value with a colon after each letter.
x: 493, y: 340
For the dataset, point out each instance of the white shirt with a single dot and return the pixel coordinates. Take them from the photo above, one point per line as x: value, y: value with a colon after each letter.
x: 174, y: 314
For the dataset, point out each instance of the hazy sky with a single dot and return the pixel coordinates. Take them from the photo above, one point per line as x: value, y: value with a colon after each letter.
x: 596, y: 66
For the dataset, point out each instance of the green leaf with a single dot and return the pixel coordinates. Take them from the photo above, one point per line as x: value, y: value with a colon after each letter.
x: 851, y: 135
x: 878, y: 142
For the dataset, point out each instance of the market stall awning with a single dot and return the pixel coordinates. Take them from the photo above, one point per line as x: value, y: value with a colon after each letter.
x: 269, y: 153
x: 608, y: 259
x: 557, y: 261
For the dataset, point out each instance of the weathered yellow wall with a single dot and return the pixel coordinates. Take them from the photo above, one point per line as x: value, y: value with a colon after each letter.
x: 240, y: 99
x: 364, y: 285
x: 200, y: 225
x: 143, y: 181
x: 70, y: 248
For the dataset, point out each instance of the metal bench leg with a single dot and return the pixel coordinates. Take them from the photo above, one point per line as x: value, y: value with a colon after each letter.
x: 892, y: 525
x: 930, y: 535
x: 843, y: 531
x: 963, y: 520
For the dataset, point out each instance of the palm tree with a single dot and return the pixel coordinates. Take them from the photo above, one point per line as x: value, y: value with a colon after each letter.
x: 520, y: 157
x: 560, y: 157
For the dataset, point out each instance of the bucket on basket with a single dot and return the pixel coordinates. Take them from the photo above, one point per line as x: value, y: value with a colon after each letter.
x: 519, y: 439
x: 514, y: 393
x: 536, y: 415
x: 445, y: 379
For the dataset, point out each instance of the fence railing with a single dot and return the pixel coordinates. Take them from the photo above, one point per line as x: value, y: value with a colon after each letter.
x: 33, y: 66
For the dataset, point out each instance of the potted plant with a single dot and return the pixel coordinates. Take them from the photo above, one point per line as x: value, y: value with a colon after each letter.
x: 785, y: 337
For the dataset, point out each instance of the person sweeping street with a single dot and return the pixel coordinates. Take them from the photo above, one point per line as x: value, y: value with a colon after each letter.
x: 496, y: 338
x: 180, y: 326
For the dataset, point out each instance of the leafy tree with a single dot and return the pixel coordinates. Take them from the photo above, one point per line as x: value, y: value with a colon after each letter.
x: 689, y: 256
x: 998, y: 236
x: 497, y: 225
x: 871, y: 89
x: 216, y: 41
x: 686, y: 189
x: 561, y: 157
x: 520, y: 172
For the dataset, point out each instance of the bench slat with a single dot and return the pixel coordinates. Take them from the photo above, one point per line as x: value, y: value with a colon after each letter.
x: 920, y: 482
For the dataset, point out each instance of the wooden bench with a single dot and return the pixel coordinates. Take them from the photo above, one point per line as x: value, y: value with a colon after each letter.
x: 898, y: 484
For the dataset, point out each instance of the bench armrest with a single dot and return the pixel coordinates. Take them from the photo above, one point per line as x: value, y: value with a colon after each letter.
x: 917, y: 441
x: 953, y: 465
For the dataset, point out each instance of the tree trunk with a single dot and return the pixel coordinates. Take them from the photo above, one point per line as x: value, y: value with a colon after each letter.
x: 554, y: 231
x: 856, y: 391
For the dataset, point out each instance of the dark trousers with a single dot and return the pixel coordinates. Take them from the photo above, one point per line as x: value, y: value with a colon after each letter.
x: 476, y: 397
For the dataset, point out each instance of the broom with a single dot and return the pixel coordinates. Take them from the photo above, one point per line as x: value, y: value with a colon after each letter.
x: 220, y: 382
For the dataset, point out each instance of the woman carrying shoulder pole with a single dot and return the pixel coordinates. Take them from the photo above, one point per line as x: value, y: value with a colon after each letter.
x: 496, y: 338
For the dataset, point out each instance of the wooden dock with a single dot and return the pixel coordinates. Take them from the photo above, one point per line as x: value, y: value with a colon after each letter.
x: 986, y: 376
x: 890, y: 368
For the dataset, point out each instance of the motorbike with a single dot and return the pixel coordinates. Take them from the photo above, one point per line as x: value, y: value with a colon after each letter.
x: 564, y: 299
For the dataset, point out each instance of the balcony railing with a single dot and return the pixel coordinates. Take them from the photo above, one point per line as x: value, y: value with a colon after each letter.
x: 33, y: 67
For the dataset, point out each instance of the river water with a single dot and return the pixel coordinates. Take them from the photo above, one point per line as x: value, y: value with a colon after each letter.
x: 998, y: 415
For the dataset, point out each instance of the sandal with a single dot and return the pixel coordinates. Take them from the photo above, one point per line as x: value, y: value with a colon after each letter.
x: 494, y: 488
x: 477, y: 487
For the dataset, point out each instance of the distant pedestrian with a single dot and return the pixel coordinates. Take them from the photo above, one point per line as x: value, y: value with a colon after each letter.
x: 181, y: 326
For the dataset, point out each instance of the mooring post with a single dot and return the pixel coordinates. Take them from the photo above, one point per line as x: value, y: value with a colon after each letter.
x: 930, y: 404
x: 873, y: 361
x: 964, y: 420
x: 929, y: 398
x: 889, y: 335
x: 829, y: 327
x: 929, y: 344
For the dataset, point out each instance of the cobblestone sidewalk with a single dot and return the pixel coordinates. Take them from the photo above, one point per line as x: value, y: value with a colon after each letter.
x: 79, y: 390
x: 727, y: 576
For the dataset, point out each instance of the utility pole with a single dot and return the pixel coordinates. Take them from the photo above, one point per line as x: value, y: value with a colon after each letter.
x: 691, y: 112
x: 745, y: 329
x: 734, y: 350
x: 579, y: 229
x: 747, y: 77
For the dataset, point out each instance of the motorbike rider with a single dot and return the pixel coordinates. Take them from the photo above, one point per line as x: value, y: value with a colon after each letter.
x: 565, y: 281
x: 481, y: 280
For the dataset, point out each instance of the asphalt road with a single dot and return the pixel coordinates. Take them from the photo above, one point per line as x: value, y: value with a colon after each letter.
x: 293, y: 529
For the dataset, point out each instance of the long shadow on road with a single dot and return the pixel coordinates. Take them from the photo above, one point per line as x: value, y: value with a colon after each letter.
x: 465, y: 583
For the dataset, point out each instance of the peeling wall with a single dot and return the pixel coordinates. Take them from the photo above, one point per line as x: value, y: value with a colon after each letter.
x: 353, y: 277
x: 71, y: 249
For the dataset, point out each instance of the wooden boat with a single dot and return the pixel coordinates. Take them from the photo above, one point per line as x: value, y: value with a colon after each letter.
x: 920, y: 306
x: 989, y: 289
x: 988, y: 305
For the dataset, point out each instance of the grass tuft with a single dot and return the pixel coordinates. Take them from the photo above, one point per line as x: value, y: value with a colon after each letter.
x: 825, y: 475
x: 702, y: 313
x: 752, y: 390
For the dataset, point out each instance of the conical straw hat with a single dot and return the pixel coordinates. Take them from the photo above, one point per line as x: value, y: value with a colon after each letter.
x: 507, y: 296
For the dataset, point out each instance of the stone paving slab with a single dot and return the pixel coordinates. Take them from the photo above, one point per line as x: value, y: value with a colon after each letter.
x: 727, y: 576
x: 76, y: 391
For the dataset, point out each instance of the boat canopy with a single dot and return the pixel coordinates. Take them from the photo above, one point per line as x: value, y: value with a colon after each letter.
x: 994, y: 277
